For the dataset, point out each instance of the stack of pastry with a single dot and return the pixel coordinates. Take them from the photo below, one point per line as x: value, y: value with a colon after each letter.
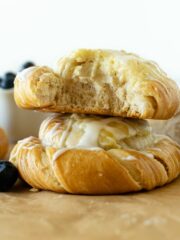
x: 100, y: 142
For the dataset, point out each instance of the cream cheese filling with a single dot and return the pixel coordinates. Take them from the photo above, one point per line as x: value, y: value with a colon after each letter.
x: 95, y: 133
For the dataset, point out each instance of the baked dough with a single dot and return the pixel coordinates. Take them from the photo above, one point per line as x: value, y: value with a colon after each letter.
x: 99, y: 82
x: 95, y: 155
x: 3, y: 144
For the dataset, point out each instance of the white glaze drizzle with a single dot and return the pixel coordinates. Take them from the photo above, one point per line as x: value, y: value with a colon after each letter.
x: 128, y: 158
x: 58, y: 153
x: 65, y: 133
x: 47, y: 136
x: 21, y: 144
x: 91, y: 133
x: 91, y: 128
x: 45, y: 124
x: 149, y: 155
x: 48, y: 140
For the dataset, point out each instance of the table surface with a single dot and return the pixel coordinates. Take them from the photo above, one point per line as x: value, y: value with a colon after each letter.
x: 46, y: 215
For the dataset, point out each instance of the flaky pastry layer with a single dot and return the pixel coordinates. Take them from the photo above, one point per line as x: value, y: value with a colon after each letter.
x: 122, y: 155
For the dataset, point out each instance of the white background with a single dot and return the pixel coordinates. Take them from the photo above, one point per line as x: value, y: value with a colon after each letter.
x: 44, y: 30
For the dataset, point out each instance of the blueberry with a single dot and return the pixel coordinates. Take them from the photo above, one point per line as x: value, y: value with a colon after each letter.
x: 27, y: 65
x: 8, y: 175
x: 9, y: 76
x: 7, y: 84
x: 8, y: 80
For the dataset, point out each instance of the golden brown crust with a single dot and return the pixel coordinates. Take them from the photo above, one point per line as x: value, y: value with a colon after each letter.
x: 30, y: 87
x: 100, y: 82
x: 96, y: 171
x: 33, y: 163
x: 3, y: 144
x: 94, y: 155
x: 167, y: 152
x: 93, y: 172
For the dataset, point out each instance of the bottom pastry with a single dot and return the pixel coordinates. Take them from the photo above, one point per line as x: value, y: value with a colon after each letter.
x: 96, y: 155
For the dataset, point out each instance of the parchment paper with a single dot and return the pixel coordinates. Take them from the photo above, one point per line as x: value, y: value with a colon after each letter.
x: 46, y: 215
x: 26, y: 215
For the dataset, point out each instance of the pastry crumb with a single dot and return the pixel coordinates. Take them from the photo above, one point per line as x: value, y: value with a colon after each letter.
x: 34, y: 190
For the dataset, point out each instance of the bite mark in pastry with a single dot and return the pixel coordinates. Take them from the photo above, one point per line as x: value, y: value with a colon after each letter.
x: 104, y: 82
